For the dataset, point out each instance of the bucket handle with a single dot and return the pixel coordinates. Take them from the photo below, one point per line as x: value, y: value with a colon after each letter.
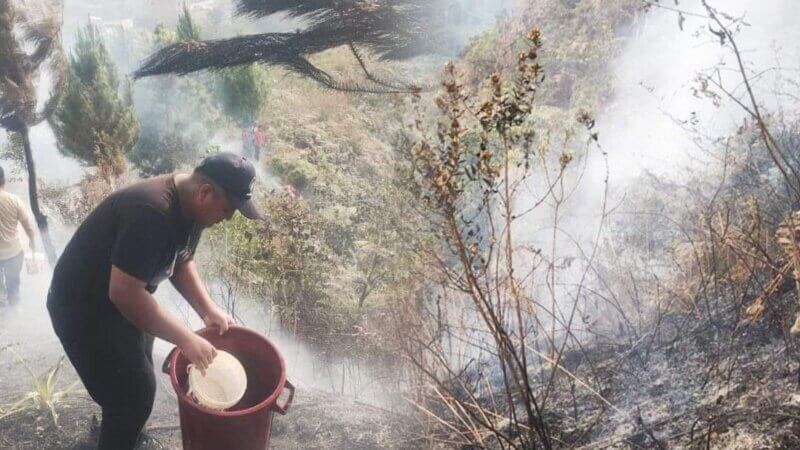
x: 283, y: 409
x: 167, y: 367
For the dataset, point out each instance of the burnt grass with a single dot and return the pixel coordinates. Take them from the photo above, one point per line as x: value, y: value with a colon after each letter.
x: 317, y: 420
x: 694, y: 380
x: 690, y: 380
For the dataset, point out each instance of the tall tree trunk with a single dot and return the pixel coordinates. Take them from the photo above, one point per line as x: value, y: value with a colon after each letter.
x: 41, y: 219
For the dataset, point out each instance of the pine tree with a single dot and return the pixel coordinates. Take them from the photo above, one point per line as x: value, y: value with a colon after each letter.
x: 94, y: 121
x: 242, y: 92
x: 187, y: 29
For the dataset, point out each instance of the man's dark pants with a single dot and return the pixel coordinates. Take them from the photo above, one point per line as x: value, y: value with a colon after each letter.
x: 114, y: 359
x: 10, y: 270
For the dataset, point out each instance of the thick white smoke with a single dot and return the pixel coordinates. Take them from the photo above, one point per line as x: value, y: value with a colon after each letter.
x: 646, y: 125
x: 656, y: 71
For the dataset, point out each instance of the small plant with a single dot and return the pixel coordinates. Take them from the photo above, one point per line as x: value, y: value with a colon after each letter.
x: 469, y: 171
x: 44, y: 395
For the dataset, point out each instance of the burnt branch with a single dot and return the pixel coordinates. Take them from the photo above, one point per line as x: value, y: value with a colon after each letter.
x: 390, y: 30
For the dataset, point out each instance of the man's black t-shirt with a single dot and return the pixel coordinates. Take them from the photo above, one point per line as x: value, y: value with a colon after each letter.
x: 140, y: 230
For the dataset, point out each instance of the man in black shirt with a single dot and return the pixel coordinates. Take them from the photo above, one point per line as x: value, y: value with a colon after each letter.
x: 100, y: 299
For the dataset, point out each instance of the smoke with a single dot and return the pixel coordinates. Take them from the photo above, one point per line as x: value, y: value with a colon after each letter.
x: 654, y: 123
x: 643, y: 128
x: 465, y: 19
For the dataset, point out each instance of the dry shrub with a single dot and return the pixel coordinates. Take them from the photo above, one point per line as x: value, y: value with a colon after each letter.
x: 74, y: 203
x: 730, y: 245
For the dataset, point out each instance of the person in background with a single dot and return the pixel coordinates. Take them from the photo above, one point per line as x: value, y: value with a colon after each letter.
x: 259, y: 139
x: 292, y: 192
x: 101, y: 300
x: 12, y: 213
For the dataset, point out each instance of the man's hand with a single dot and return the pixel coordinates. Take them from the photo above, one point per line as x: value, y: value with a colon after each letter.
x: 129, y: 295
x: 217, y: 317
x: 199, y: 352
x: 187, y: 281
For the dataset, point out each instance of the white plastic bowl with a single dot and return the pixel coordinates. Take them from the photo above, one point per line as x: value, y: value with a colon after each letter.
x: 223, y: 385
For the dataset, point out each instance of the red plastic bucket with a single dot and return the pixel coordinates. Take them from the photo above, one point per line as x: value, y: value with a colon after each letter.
x: 247, y: 425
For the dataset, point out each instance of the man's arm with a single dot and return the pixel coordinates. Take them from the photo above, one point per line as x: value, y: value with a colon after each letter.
x: 131, y: 298
x: 25, y: 220
x: 187, y: 281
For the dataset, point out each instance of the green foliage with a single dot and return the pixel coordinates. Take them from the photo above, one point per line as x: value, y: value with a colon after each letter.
x: 187, y: 29
x: 163, y: 36
x: 339, y: 250
x: 90, y: 61
x: 295, y: 168
x: 242, y: 91
x: 482, y: 52
x: 159, y: 151
x: 325, y: 268
x: 94, y: 121
x: 348, y: 251
x: 289, y: 260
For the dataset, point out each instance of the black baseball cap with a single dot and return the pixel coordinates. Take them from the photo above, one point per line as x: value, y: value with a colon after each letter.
x: 235, y: 174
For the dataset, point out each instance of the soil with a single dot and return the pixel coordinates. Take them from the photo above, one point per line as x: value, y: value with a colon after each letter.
x: 316, y: 421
